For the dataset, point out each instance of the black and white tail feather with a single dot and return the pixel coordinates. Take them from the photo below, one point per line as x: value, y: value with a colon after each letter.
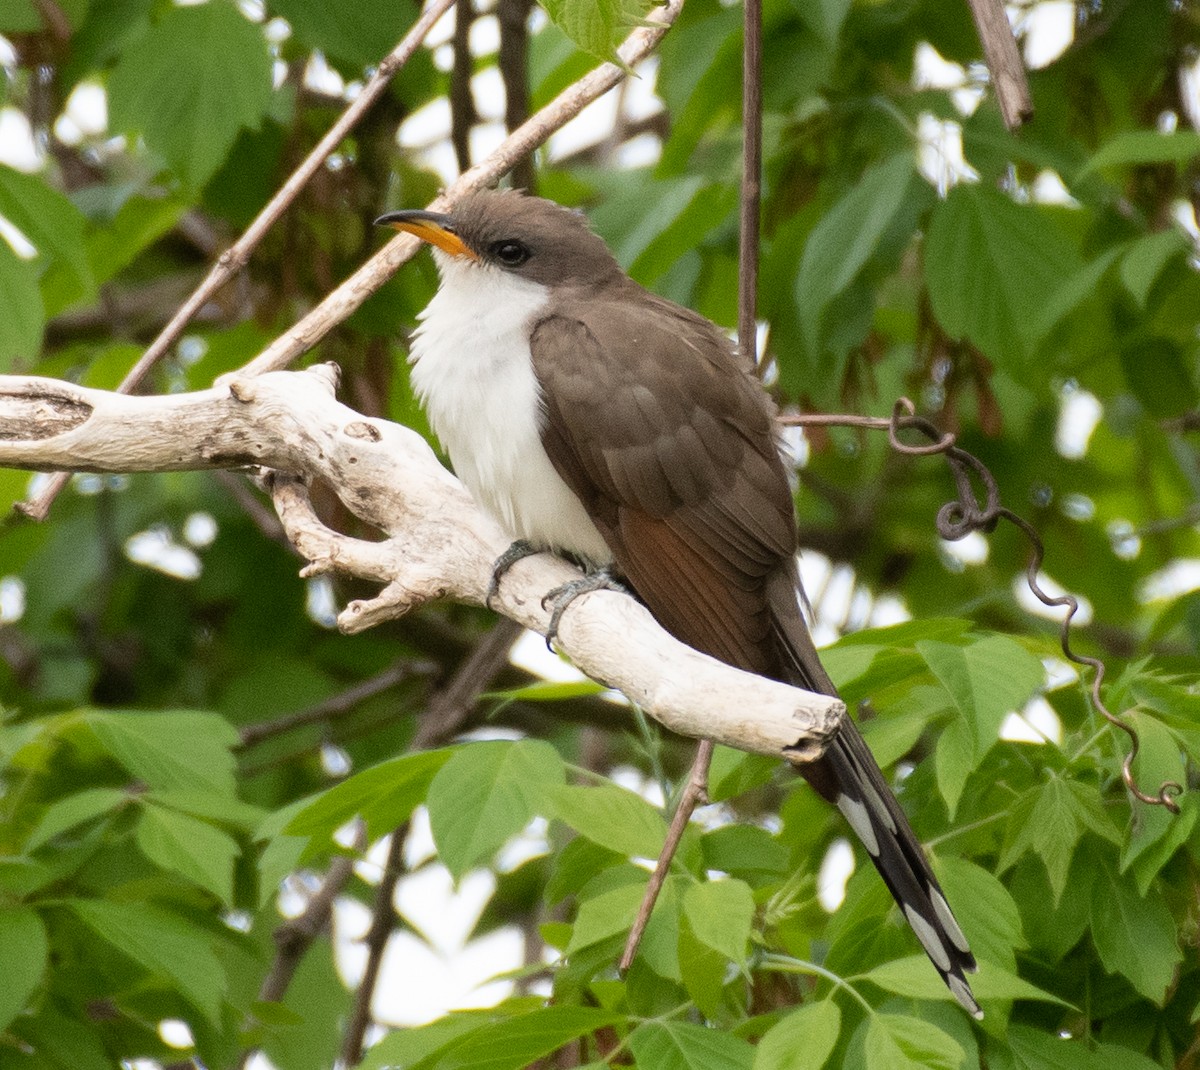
x: 848, y: 776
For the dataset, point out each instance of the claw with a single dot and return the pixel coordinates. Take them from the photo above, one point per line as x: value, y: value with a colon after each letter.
x: 557, y: 600
x: 519, y: 549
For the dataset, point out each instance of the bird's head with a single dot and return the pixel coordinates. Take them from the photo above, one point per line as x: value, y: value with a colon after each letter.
x: 510, y: 232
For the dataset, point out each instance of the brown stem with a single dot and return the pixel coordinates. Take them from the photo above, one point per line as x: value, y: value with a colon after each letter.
x: 513, y: 16
x: 1004, y: 61
x: 695, y: 793
x: 382, y: 924
x: 751, y: 178
x: 462, y: 102
x: 334, y: 706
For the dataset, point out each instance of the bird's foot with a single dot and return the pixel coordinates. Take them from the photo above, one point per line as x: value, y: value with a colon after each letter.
x: 519, y: 549
x: 601, y: 579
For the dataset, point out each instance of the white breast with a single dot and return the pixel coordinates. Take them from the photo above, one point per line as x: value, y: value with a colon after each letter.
x: 473, y: 374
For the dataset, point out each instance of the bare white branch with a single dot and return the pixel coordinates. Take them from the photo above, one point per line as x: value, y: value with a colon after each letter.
x: 439, y: 544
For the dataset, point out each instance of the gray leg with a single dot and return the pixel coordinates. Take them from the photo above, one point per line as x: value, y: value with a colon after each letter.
x: 601, y: 579
x: 504, y: 562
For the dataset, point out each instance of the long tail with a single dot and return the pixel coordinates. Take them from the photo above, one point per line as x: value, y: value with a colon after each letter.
x: 848, y: 776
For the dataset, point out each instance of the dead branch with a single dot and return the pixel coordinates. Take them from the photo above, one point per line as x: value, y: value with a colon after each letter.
x: 438, y: 545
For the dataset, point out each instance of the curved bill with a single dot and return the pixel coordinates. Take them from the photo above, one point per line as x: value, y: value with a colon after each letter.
x: 433, y: 227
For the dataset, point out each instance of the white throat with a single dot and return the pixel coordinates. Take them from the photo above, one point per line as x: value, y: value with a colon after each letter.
x: 473, y: 373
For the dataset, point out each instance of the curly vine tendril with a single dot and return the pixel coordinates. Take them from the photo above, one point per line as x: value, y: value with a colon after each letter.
x: 965, y: 514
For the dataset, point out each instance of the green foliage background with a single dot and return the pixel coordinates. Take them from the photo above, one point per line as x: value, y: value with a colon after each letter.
x: 147, y: 820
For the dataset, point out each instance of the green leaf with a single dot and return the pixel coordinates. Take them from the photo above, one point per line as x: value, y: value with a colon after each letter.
x: 915, y: 977
x: 682, y: 1046
x: 803, y: 1040
x: 50, y: 221
x: 1134, y: 936
x: 199, y: 75
x: 1050, y: 820
x: 1145, y: 259
x: 988, y: 262
x: 733, y: 772
x: 192, y: 848
x: 24, y: 317
x: 177, y: 954
x: 411, y: 1047
x: 898, y: 1042
x: 1069, y: 294
x: 845, y: 239
x: 743, y: 850
x: 521, y: 1041
x: 549, y: 691
x: 74, y: 810
x: 605, y: 915
x: 384, y: 796
x: 359, y: 34
x: 485, y: 794
x: 1033, y: 1049
x: 702, y: 971
x: 180, y: 749
x: 596, y: 26
x: 612, y: 817
x: 1159, y: 759
x: 720, y: 914
x: 1134, y: 147
x: 986, y: 680
x: 24, y: 953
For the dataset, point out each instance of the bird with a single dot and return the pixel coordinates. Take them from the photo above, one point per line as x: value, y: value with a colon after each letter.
x: 595, y: 419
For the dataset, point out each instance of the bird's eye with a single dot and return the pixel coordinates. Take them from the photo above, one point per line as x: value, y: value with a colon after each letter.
x: 510, y: 253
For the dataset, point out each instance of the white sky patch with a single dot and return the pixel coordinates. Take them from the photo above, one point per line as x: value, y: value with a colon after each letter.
x: 17, y: 147
x: 836, y: 869
x: 322, y: 78
x: 155, y: 548
x: 529, y: 653
x: 320, y: 604
x: 487, y: 87
x: 1029, y: 602
x: 443, y: 914
x: 940, y: 153
x: 85, y: 114
x: 1049, y: 188
x: 12, y: 599
x: 200, y: 530
x: 889, y: 609
x: 972, y: 549
x: 1049, y: 29
x: 1078, y: 416
x: 1179, y: 577
x: 176, y: 1033
x: 1036, y: 723
x: 16, y: 239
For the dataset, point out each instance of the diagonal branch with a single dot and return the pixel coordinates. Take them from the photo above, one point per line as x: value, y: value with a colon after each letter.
x: 237, y: 255
x: 375, y: 272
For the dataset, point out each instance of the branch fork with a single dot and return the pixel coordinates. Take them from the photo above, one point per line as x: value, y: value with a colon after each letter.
x: 438, y: 543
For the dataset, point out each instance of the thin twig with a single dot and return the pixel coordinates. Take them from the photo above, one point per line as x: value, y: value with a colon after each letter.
x: 443, y: 719
x: 462, y: 101
x: 513, y: 61
x: 751, y: 179
x: 335, y: 705
x: 375, y: 272
x: 238, y: 254
x: 295, y: 936
x: 380, y: 931
x: 958, y: 518
x: 1004, y: 61
x: 695, y: 793
x: 695, y: 790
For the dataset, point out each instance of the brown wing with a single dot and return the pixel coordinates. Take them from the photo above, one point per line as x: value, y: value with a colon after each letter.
x: 669, y: 443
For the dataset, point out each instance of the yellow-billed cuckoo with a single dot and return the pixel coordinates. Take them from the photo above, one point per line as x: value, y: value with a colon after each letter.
x: 593, y: 417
